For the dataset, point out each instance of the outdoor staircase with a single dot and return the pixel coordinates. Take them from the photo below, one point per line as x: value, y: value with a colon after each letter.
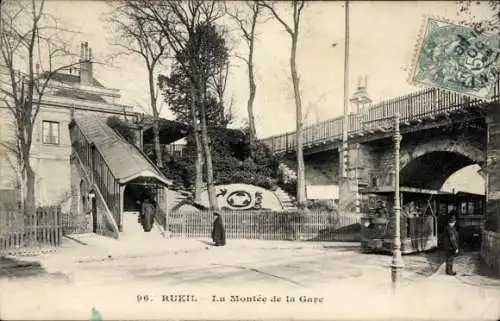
x: 132, y: 229
x: 175, y: 197
x: 286, y: 199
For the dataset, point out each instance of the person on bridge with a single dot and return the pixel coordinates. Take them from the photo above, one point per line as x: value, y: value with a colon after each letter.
x: 218, y: 231
x: 451, y: 246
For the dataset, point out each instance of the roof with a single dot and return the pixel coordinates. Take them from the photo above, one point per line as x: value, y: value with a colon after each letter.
x: 78, y: 94
x: 125, y: 161
x: 390, y: 189
x: 70, y: 78
x: 170, y: 130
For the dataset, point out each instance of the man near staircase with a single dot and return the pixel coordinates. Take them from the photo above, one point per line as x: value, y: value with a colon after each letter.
x: 147, y: 212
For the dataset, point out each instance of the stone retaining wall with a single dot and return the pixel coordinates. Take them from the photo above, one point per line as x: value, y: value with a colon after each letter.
x: 490, y: 250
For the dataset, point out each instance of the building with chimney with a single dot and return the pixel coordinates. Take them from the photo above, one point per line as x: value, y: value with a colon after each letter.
x: 73, y: 91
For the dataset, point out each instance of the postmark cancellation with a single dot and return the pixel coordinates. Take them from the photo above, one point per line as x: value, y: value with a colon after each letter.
x: 456, y: 58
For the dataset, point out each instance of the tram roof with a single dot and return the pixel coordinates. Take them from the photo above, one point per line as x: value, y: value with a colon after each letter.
x: 403, y: 189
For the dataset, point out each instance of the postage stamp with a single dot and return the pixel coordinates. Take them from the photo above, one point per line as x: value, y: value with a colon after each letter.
x: 456, y: 58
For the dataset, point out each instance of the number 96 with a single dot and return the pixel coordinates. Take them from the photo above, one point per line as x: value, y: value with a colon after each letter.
x: 141, y: 298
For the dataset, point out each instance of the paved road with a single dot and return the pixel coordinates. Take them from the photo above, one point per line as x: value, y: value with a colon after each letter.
x: 325, y: 282
x: 307, y: 267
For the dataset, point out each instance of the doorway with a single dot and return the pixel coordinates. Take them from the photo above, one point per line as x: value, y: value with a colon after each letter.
x: 94, y: 215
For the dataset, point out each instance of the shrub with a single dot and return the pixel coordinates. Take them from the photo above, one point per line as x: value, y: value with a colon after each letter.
x: 232, y: 161
x: 122, y: 128
x: 321, y: 205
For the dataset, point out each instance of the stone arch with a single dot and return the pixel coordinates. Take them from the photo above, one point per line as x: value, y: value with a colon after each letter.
x: 460, y: 146
x: 430, y: 164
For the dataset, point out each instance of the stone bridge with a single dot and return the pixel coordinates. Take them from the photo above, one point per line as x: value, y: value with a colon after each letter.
x: 442, y: 132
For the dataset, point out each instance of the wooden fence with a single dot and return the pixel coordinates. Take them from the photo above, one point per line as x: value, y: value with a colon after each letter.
x: 75, y: 223
x: 268, y: 225
x: 22, y: 234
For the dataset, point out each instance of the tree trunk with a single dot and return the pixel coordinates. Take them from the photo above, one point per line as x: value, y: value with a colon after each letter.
x: 212, y: 198
x: 301, y: 188
x: 251, y: 98
x: 30, y: 204
x: 198, y: 182
x: 156, y: 134
x: 156, y: 120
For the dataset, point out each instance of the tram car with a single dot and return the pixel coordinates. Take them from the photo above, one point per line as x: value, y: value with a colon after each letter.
x: 470, y: 210
x: 423, y: 218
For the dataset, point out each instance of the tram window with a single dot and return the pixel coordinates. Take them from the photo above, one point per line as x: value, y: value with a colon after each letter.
x: 478, y: 207
x: 442, y: 209
x: 463, y: 208
x: 471, y: 208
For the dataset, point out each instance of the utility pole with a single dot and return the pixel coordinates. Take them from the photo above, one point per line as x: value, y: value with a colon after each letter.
x: 397, y: 259
x: 345, y: 124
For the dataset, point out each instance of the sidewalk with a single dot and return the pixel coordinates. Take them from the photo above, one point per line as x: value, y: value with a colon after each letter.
x: 99, y: 247
x: 86, y: 248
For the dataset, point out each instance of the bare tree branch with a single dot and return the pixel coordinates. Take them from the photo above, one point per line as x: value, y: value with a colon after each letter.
x: 26, y: 40
x: 293, y: 31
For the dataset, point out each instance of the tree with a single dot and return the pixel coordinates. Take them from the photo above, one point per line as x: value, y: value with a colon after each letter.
x: 293, y: 30
x: 176, y: 91
x: 137, y: 36
x: 178, y: 87
x: 29, y: 40
x: 247, y: 23
x: 186, y: 26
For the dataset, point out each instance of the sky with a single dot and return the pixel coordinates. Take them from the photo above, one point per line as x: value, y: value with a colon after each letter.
x: 383, y: 36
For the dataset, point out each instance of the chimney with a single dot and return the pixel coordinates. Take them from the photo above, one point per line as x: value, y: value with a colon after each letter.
x: 85, y: 64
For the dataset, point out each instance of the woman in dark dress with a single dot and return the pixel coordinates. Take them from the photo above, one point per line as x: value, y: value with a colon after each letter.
x: 218, y: 231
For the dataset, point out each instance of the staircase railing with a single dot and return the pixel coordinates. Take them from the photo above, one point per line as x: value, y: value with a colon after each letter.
x: 106, y: 185
x: 107, y: 213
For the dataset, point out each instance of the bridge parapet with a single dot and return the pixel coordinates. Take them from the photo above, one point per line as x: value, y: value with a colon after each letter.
x: 426, y: 104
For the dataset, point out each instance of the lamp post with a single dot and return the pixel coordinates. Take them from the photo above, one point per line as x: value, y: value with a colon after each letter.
x: 397, y: 259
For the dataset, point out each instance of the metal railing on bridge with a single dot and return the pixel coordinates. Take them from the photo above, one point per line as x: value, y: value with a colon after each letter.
x: 415, y: 107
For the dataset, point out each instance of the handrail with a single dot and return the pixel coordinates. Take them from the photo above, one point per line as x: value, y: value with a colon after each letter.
x: 107, y: 211
x: 425, y: 103
x: 104, y: 179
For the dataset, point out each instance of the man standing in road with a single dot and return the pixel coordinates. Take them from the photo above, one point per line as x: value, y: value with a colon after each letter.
x: 451, y: 243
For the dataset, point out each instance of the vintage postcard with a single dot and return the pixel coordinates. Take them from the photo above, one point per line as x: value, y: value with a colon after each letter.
x: 249, y: 160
